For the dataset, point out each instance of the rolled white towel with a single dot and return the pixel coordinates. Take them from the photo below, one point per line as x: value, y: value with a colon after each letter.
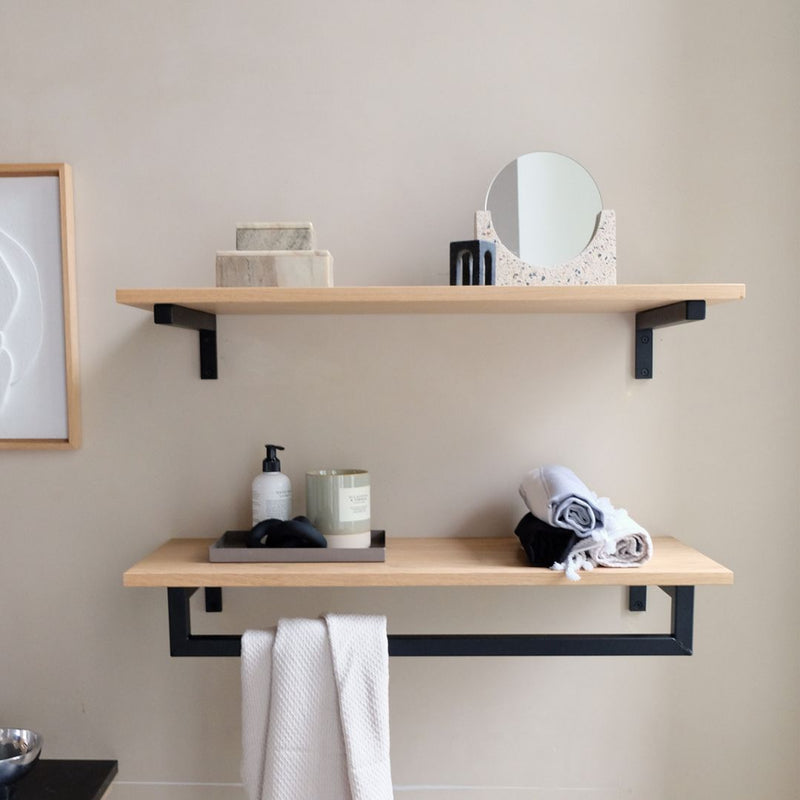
x: 556, y: 495
x: 626, y: 544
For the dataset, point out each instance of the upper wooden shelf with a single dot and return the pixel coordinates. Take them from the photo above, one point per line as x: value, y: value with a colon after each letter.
x: 655, y: 306
x: 432, y: 299
x: 420, y: 562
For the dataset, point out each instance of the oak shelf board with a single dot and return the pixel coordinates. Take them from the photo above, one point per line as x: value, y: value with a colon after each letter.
x: 436, y: 299
x: 497, y: 561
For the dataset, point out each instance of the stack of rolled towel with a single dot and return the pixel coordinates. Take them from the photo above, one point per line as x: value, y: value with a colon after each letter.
x: 569, y: 528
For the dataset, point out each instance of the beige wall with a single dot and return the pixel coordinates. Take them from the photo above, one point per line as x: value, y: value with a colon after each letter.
x: 383, y: 122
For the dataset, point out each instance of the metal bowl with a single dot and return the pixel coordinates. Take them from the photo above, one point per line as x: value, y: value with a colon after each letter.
x: 19, y: 750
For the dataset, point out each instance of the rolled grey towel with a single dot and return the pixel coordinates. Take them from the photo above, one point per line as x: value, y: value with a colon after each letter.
x: 558, y: 496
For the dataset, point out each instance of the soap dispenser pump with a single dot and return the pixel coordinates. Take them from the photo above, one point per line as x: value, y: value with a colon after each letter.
x: 272, y: 490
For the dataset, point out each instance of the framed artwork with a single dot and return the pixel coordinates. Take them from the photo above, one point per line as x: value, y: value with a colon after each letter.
x: 39, y: 386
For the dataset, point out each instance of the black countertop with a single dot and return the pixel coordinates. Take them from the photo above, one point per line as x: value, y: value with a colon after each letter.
x: 64, y: 779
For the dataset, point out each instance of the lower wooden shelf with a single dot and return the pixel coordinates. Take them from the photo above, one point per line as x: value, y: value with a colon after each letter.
x: 421, y: 562
x: 182, y: 566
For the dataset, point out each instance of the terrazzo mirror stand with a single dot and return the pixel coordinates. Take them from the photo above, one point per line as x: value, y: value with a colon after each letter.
x: 596, y: 264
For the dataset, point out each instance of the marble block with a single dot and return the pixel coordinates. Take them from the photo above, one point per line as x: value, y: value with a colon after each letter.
x: 275, y: 236
x: 294, y: 268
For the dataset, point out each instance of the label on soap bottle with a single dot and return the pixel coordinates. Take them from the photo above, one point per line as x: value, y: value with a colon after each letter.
x: 276, y: 505
x: 354, y: 504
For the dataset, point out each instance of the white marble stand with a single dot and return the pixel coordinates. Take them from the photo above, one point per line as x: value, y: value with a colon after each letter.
x: 295, y: 268
x: 275, y: 236
x: 275, y: 254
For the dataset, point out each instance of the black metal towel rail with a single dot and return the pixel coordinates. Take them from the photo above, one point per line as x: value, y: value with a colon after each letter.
x: 678, y: 642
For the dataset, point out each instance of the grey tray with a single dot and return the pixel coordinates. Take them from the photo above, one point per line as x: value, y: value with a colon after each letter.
x: 231, y: 548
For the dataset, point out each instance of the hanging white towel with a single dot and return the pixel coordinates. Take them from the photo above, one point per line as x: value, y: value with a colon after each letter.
x: 361, y: 668
x: 556, y: 495
x: 256, y: 686
x: 303, y: 737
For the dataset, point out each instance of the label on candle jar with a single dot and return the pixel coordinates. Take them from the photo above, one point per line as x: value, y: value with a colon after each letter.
x: 354, y: 504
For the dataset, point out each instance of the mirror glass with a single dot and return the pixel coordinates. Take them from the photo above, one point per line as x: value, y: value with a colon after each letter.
x: 544, y: 207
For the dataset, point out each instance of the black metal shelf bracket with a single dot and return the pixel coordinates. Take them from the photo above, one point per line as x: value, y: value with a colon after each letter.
x: 646, y: 322
x: 678, y: 642
x: 661, y: 317
x: 202, y: 322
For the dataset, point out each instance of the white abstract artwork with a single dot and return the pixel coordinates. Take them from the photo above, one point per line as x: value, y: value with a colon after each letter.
x: 33, y: 386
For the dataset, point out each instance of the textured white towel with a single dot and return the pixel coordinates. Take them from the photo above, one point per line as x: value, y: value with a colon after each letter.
x: 302, y: 737
x: 556, y: 495
x: 361, y: 669
x: 256, y: 686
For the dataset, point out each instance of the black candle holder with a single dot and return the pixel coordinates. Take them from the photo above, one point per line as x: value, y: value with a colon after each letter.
x: 472, y: 263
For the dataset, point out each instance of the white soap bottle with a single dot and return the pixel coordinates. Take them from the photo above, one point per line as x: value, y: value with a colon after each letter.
x: 272, y: 490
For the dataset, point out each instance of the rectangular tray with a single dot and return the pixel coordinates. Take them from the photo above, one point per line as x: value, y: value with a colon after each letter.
x: 231, y: 548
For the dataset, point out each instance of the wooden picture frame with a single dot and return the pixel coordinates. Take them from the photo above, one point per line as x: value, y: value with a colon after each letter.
x: 39, y: 382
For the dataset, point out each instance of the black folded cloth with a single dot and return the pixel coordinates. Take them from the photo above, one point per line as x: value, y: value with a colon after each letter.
x: 544, y: 544
x: 297, y: 532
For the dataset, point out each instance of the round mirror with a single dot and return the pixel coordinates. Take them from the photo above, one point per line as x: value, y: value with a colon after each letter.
x: 544, y: 207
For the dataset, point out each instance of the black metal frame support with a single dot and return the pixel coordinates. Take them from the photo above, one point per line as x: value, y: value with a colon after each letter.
x: 676, y: 643
x: 637, y: 598
x: 661, y: 317
x: 202, y: 322
x: 213, y: 599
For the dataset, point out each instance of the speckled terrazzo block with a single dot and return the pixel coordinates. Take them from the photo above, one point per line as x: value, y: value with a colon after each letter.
x: 295, y: 268
x: 275, y: 236
x: 597, y: 264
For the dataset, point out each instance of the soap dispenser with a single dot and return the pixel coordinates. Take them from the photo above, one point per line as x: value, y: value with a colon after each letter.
x: 272, y: 490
